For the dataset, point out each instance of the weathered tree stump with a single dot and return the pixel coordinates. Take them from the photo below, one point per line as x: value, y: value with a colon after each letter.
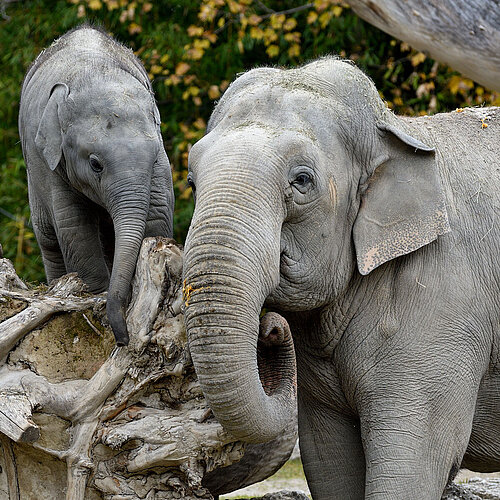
x: 83, y: 419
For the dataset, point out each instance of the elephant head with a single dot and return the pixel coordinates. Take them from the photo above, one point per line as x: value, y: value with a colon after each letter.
x: 103, y: 134
x: 303, y: 180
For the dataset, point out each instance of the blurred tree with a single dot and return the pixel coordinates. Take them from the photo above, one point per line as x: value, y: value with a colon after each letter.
x: 192, y: 50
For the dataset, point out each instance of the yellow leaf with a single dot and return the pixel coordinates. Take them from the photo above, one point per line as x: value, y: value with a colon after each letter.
x: 134, y: 28
x: 112, y: 4
x: 155, y: 69
x: 293, y: 37
x: 234, y: 7
x: 459, y: 84
x: 294, y: 50
x: 197, y: 101
x: 289, y: 24
x: 195, y: 30
x: 195, y: 53
x: 147, y: 7
x: 418, y: 58
x: 213, y: 92
x: 164, y: 58
x: 95, y: 4
x: 207, y: 13
x: 174, y: 80
x: 324, y: 19
x: 201, y: 44
x: 240, y: 46
x: 321, y: 5
x: 312, y: 17
x: 270, y: 36
x: 81, y: 11
x: 256, y: 33
x: 273, y: 50
x: 182, y: 68
x: 200, y: 123
x: 337, y: 10
x: 254, y: 20
x: 210, y: 36
x: 221, y: 22
x: 277, y: 21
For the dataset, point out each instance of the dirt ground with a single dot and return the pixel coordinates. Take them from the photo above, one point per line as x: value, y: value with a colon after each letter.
x: 282, y: 481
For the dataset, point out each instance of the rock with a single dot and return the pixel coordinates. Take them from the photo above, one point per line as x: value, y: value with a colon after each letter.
x: 474, y: 489
x: 283, y: 495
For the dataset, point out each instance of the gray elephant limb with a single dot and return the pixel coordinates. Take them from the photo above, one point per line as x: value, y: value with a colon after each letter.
x: 377, y: 238
x: 98, y: 176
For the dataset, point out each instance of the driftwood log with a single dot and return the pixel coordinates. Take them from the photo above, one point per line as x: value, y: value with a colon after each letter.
x: 83, y: 419
x: 463, y: 34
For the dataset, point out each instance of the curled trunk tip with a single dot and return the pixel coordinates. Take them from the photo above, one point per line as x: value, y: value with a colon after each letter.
x: 116, y: 315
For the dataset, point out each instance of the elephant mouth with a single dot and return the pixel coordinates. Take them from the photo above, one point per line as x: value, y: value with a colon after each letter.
x: 273, y: 350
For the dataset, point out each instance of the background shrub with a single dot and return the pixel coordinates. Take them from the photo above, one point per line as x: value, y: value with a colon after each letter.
x: 192, y: 50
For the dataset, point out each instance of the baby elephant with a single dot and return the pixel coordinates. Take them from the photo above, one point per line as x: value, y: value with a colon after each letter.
x: 98, y: 176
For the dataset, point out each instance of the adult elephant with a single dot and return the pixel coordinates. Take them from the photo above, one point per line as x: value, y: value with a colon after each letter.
x: 315, y: 201
x: 98, y: 176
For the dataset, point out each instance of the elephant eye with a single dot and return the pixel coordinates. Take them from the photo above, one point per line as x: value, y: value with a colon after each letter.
x: 302, y: 181
x: 95, y: 164
x: 191, y: 183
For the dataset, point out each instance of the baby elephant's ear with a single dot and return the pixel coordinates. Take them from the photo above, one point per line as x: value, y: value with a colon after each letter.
x: 403, y: 205
x: 49, y: 135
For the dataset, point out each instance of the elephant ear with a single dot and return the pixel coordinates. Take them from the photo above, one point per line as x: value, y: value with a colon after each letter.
x: 49, y: 134
x: 403, y: 205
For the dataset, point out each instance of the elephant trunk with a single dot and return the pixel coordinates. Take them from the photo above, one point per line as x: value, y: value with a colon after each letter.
x: 129, y: 220
x: 246, y: 369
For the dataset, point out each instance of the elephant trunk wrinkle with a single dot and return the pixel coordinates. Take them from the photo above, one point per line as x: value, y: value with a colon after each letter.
x: 129, y: 226
x: 222, y: 317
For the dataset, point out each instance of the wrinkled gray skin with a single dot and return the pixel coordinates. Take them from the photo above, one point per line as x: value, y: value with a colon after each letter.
x: 377, y: 238
x: 98, y: 176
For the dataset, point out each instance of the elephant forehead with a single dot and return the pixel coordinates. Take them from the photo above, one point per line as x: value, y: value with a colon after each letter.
x: 112, y: 98
x: 278, y: 108
x: 255, y: 143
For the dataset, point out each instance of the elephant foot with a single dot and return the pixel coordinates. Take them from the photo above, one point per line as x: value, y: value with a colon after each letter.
x: 273, y: 351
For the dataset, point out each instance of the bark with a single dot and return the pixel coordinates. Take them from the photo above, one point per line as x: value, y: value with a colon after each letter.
x: 83, y: 419
x: 465, y: 34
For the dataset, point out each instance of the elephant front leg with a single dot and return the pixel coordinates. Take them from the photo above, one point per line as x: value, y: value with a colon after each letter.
x: 412, y: 450
x: 53, y: 260
x: 332, y: 452
x: 78, y: 236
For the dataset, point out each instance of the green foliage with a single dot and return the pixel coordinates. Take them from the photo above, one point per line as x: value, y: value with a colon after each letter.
x: 192, y: 50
